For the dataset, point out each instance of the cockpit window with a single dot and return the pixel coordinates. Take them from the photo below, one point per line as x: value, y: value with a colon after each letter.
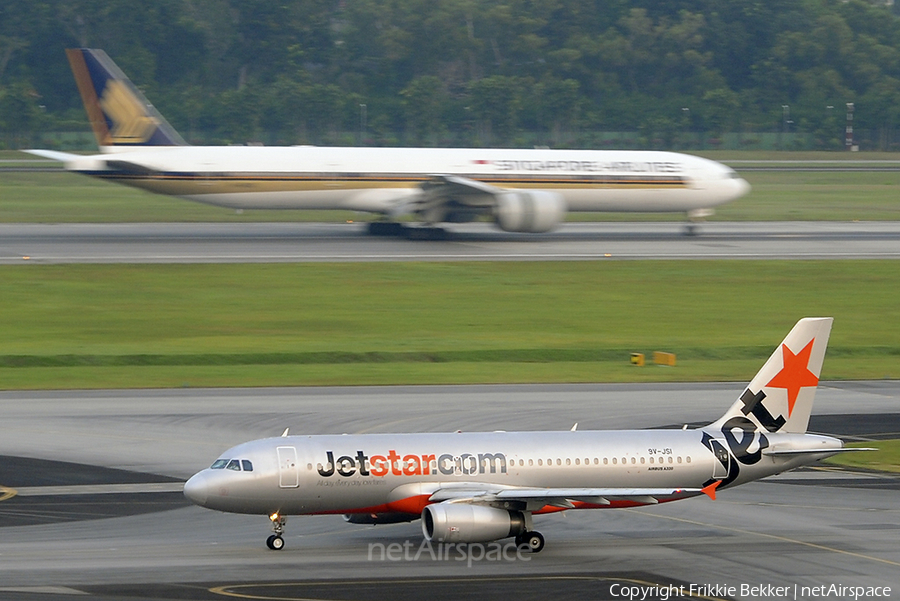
x: 235, y: 465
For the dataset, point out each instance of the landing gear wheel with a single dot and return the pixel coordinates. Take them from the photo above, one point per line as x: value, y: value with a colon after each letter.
x: 534, y: 541
x: 275, y: 542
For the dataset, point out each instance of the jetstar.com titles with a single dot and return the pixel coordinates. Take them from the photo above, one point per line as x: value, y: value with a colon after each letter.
x: 412, y: 465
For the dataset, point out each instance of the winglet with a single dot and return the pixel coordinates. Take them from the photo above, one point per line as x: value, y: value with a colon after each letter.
x: 710, y: 489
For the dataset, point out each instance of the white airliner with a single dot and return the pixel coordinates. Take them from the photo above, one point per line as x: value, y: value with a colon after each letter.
x: 520, y: 190
x: 486, y: 486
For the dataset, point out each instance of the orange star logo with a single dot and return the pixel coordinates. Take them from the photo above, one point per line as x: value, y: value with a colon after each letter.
x: 795, y: 373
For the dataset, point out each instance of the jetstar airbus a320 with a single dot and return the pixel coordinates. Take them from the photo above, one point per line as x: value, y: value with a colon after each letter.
x: 520, y: 190
x: 480, y: 487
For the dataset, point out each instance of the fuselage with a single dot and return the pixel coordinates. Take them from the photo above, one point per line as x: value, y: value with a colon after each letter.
x: 397, y: 473
x: 381, y: 179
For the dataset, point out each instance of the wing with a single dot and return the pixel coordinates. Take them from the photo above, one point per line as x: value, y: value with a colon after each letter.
x: 450, y: 198
x: 533, y: 499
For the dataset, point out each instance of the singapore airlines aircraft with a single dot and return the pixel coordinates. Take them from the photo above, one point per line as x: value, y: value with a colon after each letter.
x: 520, y: 190
x: 487, y: 486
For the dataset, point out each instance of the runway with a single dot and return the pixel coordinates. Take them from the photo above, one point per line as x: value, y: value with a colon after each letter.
x: 805, y: 529
x: 322, y: 242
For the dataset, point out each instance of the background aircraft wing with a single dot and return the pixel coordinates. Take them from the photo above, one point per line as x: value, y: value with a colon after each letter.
x: 453, y: 198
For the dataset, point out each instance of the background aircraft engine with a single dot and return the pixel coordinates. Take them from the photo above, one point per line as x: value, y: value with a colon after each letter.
x: 465, y: 523
x: 529, y: 211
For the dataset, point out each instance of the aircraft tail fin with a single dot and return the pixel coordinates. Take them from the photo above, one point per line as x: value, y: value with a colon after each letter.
x: 780, y: 397
x: 120, y: 115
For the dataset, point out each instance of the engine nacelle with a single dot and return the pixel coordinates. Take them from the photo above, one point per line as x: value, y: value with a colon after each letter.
x: 529, y: 211
x: 466, y: 523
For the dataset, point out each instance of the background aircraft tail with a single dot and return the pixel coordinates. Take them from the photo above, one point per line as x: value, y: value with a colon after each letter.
x: 119, y: 114
x: 780, y: 396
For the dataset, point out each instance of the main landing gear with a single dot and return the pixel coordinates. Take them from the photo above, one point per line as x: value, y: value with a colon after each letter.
x: 276, y: 542
x: 533, y: 541
x: 398, y: 230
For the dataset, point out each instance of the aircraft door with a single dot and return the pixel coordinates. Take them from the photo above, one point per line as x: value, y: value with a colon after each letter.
x: 288, y: 469
x: 722, y: 459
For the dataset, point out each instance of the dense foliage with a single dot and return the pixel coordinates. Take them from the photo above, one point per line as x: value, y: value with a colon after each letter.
x: 465, y: 71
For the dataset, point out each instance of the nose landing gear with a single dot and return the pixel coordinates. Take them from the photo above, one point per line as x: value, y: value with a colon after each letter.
x: 276, y: 542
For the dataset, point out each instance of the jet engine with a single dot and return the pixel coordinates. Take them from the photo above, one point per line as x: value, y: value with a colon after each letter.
x: 531, y: 211
x: 465, y: 523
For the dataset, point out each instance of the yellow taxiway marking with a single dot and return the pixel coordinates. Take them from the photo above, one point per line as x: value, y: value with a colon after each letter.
x: 7, y: 493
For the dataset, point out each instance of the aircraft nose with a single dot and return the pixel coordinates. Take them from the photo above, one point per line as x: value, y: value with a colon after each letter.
x: 197, y: 489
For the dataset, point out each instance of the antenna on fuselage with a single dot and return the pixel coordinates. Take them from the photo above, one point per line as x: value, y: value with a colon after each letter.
x: 285, y: 433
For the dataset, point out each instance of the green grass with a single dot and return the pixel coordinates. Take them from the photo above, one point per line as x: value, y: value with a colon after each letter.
x: 370, y: 323
x: 885, y: 459
x: 59, y: 197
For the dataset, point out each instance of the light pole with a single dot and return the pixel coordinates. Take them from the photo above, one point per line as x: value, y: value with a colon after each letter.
x: 362, y: 123
x: 848, y: 133
x: 785, y: 116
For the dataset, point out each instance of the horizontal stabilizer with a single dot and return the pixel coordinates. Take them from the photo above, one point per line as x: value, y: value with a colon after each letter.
x: 789, y: 452
x: 53, y: 155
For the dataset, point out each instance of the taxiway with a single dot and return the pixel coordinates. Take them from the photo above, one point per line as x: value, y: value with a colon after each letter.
x: 810, y: 528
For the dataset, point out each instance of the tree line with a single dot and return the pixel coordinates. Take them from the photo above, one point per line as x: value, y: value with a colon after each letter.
x: 465, y: 71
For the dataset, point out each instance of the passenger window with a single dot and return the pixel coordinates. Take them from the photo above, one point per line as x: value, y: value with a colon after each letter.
x: 219, y: 464
x: 234, y: 465
x: 248, y: 467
